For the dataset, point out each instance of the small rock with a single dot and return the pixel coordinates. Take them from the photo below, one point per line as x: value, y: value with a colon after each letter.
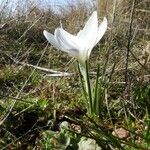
x: 120, y: 133
x: 88, y: 144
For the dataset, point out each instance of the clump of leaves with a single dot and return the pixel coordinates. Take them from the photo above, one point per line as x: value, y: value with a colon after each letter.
x: 63, y: 139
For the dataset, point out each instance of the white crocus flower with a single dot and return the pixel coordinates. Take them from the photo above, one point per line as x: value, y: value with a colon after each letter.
x: 79, y: 46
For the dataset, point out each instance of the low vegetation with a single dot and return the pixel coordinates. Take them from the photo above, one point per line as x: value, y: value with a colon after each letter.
x: 41, y: 108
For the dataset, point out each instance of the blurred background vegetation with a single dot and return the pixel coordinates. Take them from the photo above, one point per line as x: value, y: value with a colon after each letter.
x: 32, y: 101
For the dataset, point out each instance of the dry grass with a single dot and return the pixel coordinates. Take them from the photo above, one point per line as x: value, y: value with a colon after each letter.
x: 124, y: 55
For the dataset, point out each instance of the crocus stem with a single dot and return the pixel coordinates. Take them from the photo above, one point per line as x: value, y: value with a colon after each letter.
x: 82, y: 75
x: 82, y: 83
x: 85, y: 73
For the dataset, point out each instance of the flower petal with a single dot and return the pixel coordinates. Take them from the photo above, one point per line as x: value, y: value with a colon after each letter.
x: 89, y: 32
x: 51, y: 39
x: 70, y: 42
x: 101, y: 30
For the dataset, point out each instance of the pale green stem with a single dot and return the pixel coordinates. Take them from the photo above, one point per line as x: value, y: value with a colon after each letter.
x: 82, y: 83
x: 85, y: 73
x: 82, y: 68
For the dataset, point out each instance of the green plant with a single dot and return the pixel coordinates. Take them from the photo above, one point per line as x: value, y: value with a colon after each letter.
x: 63, y: 139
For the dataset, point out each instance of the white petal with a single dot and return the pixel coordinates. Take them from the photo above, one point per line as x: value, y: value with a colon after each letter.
x: 69, y: 42
x: 89, y: 32
x: 101, y: 30
x: 51, y: 39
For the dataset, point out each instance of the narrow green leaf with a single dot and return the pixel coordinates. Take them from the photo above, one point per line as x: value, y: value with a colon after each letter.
x: 89, y: 88
x: 96, y: 97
